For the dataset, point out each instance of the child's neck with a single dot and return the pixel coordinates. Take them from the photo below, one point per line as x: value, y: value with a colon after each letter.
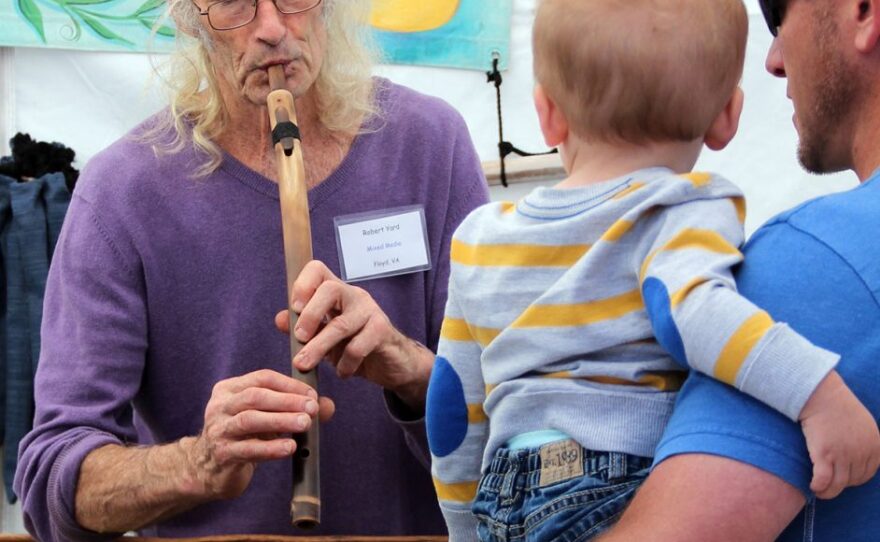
x: 593, y: 162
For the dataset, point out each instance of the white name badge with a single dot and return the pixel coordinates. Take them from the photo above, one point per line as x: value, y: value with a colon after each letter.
x: 382, y: 243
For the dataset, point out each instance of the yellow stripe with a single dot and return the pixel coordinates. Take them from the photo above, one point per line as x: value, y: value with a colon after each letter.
x: 740, y: 204
x: 507, y: 207
x: 580, y: 314
x: 485, y: 335
x: 517, y: 255
x: 490, y: 387
x: 663, y: 381
x: 455, y: 329
x: 460, y: 492
x: 737, y: 349
x: 705, y: 239
x: 632, y: 188
x: 680, y: 295
x: 616, y: 231
x: 558, y: 374
x: 697, y: 179
x: 691, y: 238
x: 476, y: 414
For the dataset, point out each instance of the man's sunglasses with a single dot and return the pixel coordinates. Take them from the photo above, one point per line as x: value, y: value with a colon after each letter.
x: 774, y: 11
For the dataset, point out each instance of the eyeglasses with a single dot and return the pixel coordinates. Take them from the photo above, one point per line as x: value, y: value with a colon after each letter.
x: 229, y: 14
x: 774, y: 11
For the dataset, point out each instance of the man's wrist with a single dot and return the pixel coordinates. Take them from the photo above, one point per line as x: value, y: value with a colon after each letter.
x: 414, y: 390
x: 194, y: 484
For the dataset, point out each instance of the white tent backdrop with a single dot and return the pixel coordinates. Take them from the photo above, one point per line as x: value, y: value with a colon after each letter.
x: 87, y: 100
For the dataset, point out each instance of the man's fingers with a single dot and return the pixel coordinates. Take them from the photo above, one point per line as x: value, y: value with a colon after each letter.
x: 313, y: 275
x: 282, y: 321
x: 339, y: 329
x: 252, y: 422
x: 327, y: 409
x: 257, y: 450
x: 327, y: 300
x: 265, y: 378
x: 357, y: 349
x: 267, y: 400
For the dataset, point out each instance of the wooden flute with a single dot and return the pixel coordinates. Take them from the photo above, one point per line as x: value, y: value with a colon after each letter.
x: 305, y: 506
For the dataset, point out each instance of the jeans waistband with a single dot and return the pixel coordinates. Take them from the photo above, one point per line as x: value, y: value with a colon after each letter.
x: 526, y: 463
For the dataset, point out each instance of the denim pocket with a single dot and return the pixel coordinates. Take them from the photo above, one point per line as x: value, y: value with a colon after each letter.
x: 513, y: 505
x: 583, y: 510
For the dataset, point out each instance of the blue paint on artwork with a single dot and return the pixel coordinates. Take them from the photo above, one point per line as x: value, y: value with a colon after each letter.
x: 478, y: 28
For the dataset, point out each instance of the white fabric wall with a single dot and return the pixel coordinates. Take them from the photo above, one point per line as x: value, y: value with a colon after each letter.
x: 87, y: 100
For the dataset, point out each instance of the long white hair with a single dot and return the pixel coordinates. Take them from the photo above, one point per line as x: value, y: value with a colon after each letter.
x: 344, y: 87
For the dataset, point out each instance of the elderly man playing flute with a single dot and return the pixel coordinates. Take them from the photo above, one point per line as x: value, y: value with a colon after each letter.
x: 163, y: 403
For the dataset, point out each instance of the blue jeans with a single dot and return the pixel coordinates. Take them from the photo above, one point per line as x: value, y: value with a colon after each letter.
x: 511, y: 505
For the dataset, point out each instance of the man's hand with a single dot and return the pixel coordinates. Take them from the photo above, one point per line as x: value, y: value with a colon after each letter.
x: 123, y: 488
x: 842, y: 438
x: 247, y: 421
x: 345, y: 325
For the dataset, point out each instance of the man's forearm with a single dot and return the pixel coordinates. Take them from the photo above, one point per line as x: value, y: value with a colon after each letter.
x: 125, y: 488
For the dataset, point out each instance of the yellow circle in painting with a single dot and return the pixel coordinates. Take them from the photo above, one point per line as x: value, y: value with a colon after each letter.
x: 412, y: 15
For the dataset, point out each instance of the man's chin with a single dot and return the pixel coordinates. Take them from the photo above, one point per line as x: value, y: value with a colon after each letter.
x: 813, y: 160
x: 257, y: 96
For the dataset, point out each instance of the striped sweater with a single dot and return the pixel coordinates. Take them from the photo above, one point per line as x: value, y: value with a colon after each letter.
x: 581, y: 310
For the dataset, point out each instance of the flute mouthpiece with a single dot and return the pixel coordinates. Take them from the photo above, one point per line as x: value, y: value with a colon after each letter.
x: 276, y: 77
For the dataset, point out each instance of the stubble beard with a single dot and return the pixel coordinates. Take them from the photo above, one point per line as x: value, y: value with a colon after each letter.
x: 835, y: 90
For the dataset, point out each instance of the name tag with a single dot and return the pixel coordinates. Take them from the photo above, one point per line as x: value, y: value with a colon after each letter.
x: 382, y: 243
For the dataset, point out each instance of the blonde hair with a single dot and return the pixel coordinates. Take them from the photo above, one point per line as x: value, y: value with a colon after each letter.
x: 640, y: 70
x: 344, y: 86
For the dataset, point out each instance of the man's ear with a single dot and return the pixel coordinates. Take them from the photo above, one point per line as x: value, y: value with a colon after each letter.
x: 725, y: 125
x: 867, y: 29
x: 553, y: 123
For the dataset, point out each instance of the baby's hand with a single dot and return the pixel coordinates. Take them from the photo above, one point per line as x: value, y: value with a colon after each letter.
x: 842, y: 438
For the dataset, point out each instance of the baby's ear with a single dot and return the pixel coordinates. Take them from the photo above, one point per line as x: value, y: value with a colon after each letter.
x: 554, y: 126
x: 725, y: 125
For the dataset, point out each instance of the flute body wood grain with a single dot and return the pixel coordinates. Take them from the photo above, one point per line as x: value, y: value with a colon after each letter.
x: 305, y: 505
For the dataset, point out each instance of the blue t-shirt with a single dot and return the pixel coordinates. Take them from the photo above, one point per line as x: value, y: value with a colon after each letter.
x: 816, y: 267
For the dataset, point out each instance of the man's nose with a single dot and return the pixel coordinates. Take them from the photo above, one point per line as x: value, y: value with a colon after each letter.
x: 270, y: 21
x: 775, y: 63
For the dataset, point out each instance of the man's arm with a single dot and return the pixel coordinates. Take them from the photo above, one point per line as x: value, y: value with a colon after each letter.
x: 123, y: 488
x: 126, y: 488
x: 706, y: 498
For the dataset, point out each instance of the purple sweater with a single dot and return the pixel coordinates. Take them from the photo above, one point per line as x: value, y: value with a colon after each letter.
x: 162, y: 285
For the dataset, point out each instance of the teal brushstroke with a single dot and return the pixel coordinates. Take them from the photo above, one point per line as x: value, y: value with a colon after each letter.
x: 478, y: 29
x: 32, y: 14
x: 92, y: 25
